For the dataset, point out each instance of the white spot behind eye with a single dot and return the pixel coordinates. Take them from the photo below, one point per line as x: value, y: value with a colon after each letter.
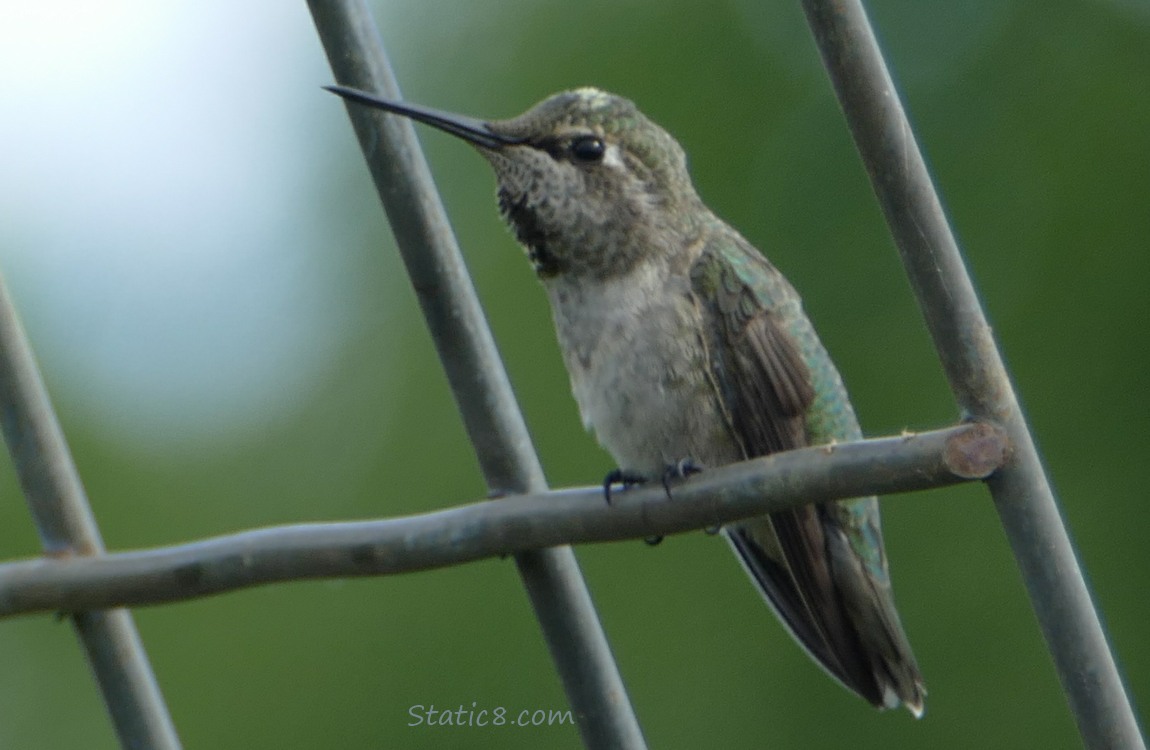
x: 612, y: 158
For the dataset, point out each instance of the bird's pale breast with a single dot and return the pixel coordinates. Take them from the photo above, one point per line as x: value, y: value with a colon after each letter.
x: 639, y: 372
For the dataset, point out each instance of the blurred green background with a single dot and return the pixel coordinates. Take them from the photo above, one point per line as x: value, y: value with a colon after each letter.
x: 207, y: 278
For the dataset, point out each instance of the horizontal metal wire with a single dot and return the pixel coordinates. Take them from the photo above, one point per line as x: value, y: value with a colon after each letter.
x: 500, y: 527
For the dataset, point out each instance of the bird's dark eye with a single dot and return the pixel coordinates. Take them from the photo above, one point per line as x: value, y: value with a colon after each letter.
x: 588, y: 148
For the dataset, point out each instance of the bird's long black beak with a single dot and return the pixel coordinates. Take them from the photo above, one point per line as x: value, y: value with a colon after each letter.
x: 468, y: 128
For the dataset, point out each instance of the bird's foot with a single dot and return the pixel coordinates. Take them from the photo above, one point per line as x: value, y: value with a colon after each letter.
x: 627, y: 479
x: 620, y: 476
x: 680, y: 470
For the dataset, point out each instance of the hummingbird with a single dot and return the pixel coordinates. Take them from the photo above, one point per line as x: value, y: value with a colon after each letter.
x: 687, y: 348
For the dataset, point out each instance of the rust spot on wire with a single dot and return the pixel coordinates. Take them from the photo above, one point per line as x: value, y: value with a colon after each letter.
x: 977, y: 451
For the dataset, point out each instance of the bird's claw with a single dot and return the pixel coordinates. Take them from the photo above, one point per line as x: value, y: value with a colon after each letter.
x: 679, y: 470
x: 623, y: 477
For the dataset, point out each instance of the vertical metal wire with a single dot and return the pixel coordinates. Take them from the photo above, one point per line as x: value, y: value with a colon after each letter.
x: 1021, y: 491
x: 64, y: 519
x: 482, y: 392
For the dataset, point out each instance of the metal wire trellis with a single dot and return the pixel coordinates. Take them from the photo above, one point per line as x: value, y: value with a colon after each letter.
x: 973, y: 365
x: 482, y: 392
x: 453, y: 536
x: 551, y: 576
x: 67, y: 527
